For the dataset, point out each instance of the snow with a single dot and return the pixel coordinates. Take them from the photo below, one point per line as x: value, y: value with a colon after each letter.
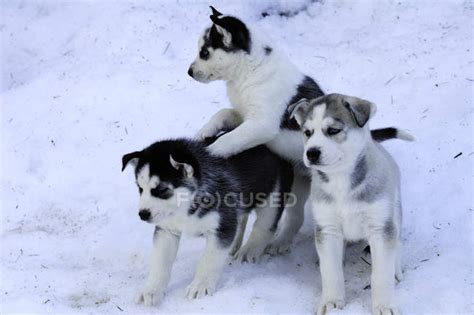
x: 84, y: 82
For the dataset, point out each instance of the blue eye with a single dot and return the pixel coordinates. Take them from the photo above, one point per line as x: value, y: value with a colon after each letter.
x: 333, y: 131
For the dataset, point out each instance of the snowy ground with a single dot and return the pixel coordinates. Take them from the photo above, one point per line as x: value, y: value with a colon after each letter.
x: 84, y: 82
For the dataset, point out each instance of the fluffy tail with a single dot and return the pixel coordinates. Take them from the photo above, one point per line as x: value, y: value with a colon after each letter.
x: 383, y: 134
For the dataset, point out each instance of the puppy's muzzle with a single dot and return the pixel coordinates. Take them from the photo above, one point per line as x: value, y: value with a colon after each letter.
x: 144, y: 214
x: 313, y: 155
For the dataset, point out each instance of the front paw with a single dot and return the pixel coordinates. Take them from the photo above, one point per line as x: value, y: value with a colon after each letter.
x: 200, y: 288
x: 219, y: 149
x: 205, y: 133
x: 249, y: 253
x: 150, y: 296
x: 328, y: 305
x: 278, y: 247
x: 385, y: 310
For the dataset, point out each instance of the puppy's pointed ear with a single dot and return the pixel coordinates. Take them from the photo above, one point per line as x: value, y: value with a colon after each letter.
x: 226, y: 35
x: 299, y: 110
x: 130, y: 158
x: 186, y: 169
x: 361, y: 110
x: 215, y: 12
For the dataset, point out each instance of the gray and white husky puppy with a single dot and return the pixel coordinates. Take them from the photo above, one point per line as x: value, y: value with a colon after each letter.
x: 355, y: 195
x: 186, y: 190
x: 261, y: 83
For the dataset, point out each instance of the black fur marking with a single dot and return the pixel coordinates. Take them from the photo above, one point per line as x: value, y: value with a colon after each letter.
x: 268, y: 50
x: 359, y: 173
x: 324, y: 177
x: 383, y: 134
x: 308, y: 89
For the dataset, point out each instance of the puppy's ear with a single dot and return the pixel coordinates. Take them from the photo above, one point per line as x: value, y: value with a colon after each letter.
x: 361, y: 110
x: 186, y: 169
x: 299, y: 110
x: 130, y: 158
x: 226, y: 35
x: 215, y: 12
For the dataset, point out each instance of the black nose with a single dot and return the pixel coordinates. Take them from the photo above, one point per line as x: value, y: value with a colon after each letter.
x: 313, y: 155
x: 190, y: 72
x: 144, y: 214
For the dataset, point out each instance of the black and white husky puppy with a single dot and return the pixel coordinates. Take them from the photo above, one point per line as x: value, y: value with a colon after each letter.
x: 186, y: 190
x: 261, y: 83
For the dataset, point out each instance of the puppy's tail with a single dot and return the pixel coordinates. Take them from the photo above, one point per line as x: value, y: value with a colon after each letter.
x: 383, y: 134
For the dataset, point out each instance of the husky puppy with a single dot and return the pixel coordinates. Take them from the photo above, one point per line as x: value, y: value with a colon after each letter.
x: 185, y: 189
x: 355, y: 195
x: 261, y: 83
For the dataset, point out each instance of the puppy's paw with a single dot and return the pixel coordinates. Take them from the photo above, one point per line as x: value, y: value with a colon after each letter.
x: 219, y: 149
x: 278, y: 248
x: 249, y: 253
x: 385, y: 310
x: 200, y: 288
x: 150, y: 297
x: 327, y: 306
x: 205, y: 132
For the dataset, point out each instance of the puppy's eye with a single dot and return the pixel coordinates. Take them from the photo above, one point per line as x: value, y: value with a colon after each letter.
x: 333, y: 131
x: 308, y: 133
x: 140, y: 190
x: 204, y: 53
x: 161, y: 192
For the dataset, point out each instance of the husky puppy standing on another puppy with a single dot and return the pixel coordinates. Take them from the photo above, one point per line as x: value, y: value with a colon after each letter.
x: 184, y: 189
x: 355, y: 195
x: 261, y: 83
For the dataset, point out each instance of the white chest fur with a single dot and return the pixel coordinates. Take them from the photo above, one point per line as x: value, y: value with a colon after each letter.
x: 192, y: 225
x: 334, y: 205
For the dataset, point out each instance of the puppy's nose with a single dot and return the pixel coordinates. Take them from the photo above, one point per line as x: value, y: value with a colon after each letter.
x: 313, y: 155
x: 144, y: 214
x: 190, y: 72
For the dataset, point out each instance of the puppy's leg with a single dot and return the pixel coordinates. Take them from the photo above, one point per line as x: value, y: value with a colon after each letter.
x: 249, y: 134
x: 209, y: 268
x: 242, y: 225
x: 294, y: 217
x: 330, y: 247
x: 384, y: 254
x: 226, y: 118
x: 165, y: 249
x: 262, y: 233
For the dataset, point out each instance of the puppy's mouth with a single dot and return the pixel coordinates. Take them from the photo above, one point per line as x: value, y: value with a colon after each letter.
x: 157, y: 217
x: 203, y: 78
x: 322, y: 166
